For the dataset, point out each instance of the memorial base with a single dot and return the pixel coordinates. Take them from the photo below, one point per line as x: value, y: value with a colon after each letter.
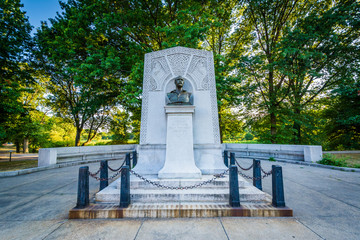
x: 179, y: 160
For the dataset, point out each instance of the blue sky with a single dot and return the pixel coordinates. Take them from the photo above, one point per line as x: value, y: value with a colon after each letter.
x: 40, y: 10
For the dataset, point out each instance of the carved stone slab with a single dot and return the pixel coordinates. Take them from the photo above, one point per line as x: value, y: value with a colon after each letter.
x: 196, y: 67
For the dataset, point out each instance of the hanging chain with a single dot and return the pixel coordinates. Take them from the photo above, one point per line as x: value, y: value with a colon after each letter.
x: 96, y: 173
x: 245, y: 169
x: 180, y: 188
x: 115, y: 170
x: 118, y: 171
x: 106, y: 179
x: 266, y: 173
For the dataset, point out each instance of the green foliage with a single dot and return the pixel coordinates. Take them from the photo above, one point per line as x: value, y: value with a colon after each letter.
x: 231, y: 125
x: 329, y: 159
x: 17, y: 165
x: 298, y: 53
x: 342, y: 128
x: 15, y: 78
x: 86, y: 62
x: 287, y: 70
x: 120, y: 127
x: 249, y: 136
x: 271, y: 159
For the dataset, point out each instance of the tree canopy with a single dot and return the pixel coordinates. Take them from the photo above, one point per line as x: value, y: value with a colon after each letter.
x: 287, y: 71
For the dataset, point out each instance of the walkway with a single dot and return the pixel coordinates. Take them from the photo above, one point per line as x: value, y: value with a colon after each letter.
x: 325, y: 202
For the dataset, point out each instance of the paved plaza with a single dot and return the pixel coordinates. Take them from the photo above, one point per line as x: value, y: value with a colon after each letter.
x: 325, y: 202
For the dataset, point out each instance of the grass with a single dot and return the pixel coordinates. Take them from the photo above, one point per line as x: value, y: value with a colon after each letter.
x: 351, y: 159
x: 242, y: 141
x: 4, y: 149
x: 341, y: 160
x: 17, y: 165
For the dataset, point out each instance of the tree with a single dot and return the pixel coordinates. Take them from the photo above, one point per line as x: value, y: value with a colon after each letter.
x: 342, y: 129
x: 15, y: 73
x: 120, y: 127
x: 322, y: 51
x: 297, y: 51
x: 87, y: 63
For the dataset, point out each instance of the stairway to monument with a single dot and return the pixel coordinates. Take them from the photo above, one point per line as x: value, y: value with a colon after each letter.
x: 211, y: 193
x: 211, y: 200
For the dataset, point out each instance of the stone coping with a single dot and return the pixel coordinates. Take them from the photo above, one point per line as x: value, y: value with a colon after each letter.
x: 38, y: 169
x: 68, y: 164
x: 345, y: 169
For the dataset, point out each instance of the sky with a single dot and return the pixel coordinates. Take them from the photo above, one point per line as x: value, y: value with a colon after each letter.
x: 40, y: 10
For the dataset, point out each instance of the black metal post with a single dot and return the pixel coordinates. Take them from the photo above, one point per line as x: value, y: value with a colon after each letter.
x: 232, y: 158
x: 277, y: 187
x: 127, y: 160
x: 234, y: 199
x: 226, y: 159
x: 125, y: 187
x: 10, y: 155
x: 257, y: 174
x: 83, y: 188
x: 134, y: 158
x: 104, y: 174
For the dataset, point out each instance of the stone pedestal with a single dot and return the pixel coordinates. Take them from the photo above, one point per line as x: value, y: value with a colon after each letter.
x: 179, y: 160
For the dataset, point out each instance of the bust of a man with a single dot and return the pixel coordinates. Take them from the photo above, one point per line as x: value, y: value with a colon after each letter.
x: 179, y: 96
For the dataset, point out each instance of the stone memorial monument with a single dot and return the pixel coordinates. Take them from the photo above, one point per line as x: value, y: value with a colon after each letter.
x: 179, y: 136
x: 179, y: 143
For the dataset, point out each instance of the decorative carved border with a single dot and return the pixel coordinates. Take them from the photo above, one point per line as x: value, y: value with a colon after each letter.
x: 188, y: 56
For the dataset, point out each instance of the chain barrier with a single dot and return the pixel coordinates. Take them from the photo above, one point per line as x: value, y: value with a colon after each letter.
x: 96, y: 173
x: 180, y: 188
x: 255, y: 178
x: 115, y: 170
x: 118, y: 171
x: 266, y: 174
x: 106, y: 179
x: 245, y: 169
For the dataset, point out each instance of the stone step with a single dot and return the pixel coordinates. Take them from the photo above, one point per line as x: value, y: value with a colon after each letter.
x: 137, y: 183
x: 247, y: 194
x: 176, y: 210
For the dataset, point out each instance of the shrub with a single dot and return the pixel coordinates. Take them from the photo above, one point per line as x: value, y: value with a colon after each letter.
x: 271, y: 159
x: 329, y: 159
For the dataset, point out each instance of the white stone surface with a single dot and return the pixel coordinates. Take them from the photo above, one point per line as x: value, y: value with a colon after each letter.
x: 308, y: 153
x: 179, y: 160
x: 47, y: 157
x: 50, y: 156
x: 312, y: 153
x: 197, y: 69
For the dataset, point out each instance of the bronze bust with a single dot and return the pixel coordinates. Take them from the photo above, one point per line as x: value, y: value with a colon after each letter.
x: 179, y: 96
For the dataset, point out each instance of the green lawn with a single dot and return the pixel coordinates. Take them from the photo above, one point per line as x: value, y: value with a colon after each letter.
x: 351, y: 159
x: 17, y: 165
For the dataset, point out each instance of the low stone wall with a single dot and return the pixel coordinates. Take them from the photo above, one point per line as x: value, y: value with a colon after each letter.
x: 307, y: 153
x: 50, y: 156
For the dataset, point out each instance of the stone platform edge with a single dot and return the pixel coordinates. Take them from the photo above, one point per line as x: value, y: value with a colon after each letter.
x: 38, y: 169
x: 112, y: 211
x: 345, y: 169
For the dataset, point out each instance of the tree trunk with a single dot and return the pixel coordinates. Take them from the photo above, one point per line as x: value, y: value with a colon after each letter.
x: 17, y: 144
x: 26, y: 145
x: 273, y: 127
x: 297, y: 126
x: 220, y: 129
x: 77, y: 138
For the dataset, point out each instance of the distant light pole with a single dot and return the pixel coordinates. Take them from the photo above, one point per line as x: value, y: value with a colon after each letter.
x: 10, y: 155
